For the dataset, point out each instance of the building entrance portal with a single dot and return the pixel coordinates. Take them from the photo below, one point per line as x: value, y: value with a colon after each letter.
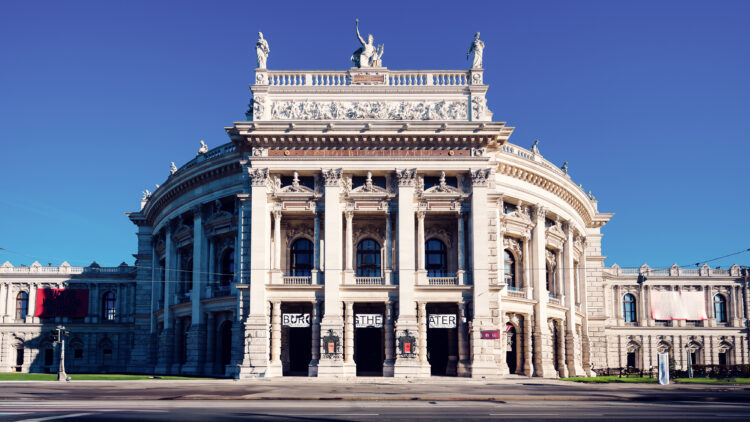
x: 296, y: 339
x: 511, y: 353
x: 368, y: 340
x: 442, y: 339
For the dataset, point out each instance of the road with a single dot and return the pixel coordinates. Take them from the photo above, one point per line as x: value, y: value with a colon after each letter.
x: 372, y: 400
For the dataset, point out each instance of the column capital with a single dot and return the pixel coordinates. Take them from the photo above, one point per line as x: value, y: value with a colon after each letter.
x: 540, y: 211
x: 276, y: 214
x: 332, y: 177
x: 406, y: 177
x: 349, y: 214
x: 421, y: 214
x: 258, y: 176
x: 480, y: 177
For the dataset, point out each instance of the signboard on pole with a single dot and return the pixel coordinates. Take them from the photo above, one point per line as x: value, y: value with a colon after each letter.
x: 663, y: 368
x: 442, y: 321
x: 295, y: 320
x: 368, y: 321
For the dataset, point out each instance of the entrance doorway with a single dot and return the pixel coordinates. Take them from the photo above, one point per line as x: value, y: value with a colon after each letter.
x: 369, y: 352
x: 442, y: 339
x: 511, y: 353
x: 300, y: 350
x: 224, y: 356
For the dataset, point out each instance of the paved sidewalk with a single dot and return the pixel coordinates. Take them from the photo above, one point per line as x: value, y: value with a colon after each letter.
x: 370, y: 389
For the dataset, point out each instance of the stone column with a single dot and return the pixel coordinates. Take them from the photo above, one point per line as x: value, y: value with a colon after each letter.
x: 528, y: 358
x: 349, y: 240
x: 253, y: 220
x: 389, y: 362
x: 210, y: 344
x: 166, y: 350
x: 197, y: 333
x: 315, y: 352
x: 463, y: 368
x: 331, y: 365
x: 422, y: 340
x: 32, y: 302
x: 500, y: 247
x: 573, y: 356
x: 482, y: 351
x: 420, y: 240
x: 461, y: 249
x: 316, y: 249
x: 9, y: 314
x: 277, y: 240
x: 275, y: 367
x: 177, y: 340
x: 542, y: 338
x: 388, y: 249
x: 3, y: 301
x: 528, y: 282
x: 350, y: 367
x: 407, y: 364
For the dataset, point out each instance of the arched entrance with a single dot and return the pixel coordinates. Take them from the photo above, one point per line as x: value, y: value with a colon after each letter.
x: 225, y: 346
x: 511, y: 352
x: 442, y: 338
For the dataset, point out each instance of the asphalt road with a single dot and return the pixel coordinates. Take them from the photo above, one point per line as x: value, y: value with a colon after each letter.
x: 368, y: 400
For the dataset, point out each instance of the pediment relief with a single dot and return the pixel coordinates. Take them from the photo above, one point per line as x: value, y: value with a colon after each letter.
x: 442, y: 187
x: 439, y: 233
x: 297, y: 230
x: 295, y: 186
x: 368, y: 187
x: 369, y: 231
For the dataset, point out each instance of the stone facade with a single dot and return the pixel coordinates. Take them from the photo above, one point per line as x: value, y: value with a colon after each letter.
x: 384, y: 227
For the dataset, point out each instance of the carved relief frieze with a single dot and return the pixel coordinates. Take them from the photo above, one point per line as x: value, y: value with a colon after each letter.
x: 514, y: 245
x: 369, y: 231
x: 551, y: 257
x: 439, y: 233
x: 296, y: 230
x: 370, y: 110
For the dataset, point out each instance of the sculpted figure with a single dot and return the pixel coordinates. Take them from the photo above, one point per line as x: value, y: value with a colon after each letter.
x: 172, y: 168
x: 262, y: 50
x: 535, y: 147
x: 477, y: 47
x: 203, y: 149
x: 367, y: 55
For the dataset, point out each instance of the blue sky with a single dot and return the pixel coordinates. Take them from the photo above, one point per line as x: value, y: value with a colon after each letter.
x: 648, y: 101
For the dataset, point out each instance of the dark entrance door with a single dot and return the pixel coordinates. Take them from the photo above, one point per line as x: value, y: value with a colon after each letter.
x: 368, y: 351
x: 224, y: 356
x: 300, y: 353
x: 511, y: 353
x: 438, y: 345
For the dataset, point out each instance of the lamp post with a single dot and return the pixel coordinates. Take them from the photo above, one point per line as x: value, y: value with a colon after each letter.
x: 58, y: 335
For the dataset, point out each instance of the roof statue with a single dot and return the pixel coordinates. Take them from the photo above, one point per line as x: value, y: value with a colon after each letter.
x: 564, y: 167
x: 172, y: 168
x: 203, y: 149
x: 146, y: 194
x: 477, y: 47
x: 262, y: 50
x: 535, y: 147
x: 367, y: 55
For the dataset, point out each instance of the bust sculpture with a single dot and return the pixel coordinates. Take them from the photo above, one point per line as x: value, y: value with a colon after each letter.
x: 477, y: 47
x: 262, y: 50
x: 367, y: 55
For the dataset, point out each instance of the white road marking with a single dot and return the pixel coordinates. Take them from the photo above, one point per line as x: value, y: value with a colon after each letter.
x: 49, y: 418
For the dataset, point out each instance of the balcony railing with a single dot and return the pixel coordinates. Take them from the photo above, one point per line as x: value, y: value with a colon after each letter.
x: 392, y: 78
x: 554, y: 300
x: 369, y: 281
x: 442, y: 281
x: 517, y: 292
x: 297, y: 280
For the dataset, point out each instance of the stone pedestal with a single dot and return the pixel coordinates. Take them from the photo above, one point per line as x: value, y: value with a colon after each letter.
x: 407, y: 364
x: 575, y: 368
x: 543, y: 356
x: 196, y: 351
x: 255, y: 359
x: 483, y: 362
x: 331, y: 363
x: 165, y: 354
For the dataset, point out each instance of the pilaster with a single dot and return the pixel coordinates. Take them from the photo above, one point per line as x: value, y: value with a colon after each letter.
x: 542, y: 337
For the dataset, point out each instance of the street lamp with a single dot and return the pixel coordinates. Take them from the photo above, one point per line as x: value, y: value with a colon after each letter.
x: 58, y: 336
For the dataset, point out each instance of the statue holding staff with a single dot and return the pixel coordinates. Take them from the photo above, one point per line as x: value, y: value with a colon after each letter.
x: 262, y: 50
x: 477, y: 47
x: 367, y: 55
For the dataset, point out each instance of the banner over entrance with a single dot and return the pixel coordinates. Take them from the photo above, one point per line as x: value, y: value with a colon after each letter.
x: 672, y: 305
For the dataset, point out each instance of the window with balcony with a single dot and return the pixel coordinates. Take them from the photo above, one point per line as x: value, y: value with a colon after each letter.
x: 436, y: 259
x: 510, y: 270
x: 301, y: 259
x: 109, y: 310
x: 720, y: 308
x: 368, y: 258
x: 628, y: 307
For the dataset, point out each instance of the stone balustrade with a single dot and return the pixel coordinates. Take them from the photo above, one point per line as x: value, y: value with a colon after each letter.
x: 369, y: 281
x: 64, y: 269
x: 392, y: 78
x: 297, y: 280
x: 675, y: 271
x: 442, y: 281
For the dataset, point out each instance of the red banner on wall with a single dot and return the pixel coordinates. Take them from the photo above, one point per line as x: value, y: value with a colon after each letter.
x: 71, y: 303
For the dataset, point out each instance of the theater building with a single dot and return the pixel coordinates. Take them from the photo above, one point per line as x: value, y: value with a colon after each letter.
x: 371, y: 222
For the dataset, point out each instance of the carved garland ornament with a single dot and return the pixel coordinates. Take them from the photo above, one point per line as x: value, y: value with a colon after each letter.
x: 361, y: 110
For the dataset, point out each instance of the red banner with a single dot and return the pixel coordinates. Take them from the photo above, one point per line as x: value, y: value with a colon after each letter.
x: 71, y: 303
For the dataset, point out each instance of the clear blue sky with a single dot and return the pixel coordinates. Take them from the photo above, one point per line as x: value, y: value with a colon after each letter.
x: 648, y: 101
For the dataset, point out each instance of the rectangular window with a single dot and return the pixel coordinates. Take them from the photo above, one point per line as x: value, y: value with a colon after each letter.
x: 631, y: 360
x: 723, y: 358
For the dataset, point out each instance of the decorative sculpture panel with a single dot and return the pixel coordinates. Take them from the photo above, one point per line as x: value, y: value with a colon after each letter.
x: 360, y: 110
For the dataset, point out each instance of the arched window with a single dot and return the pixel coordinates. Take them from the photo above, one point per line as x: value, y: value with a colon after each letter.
x: 628, y: 307
x: 368, y: 258
x: 301, y: 260
x: 550, y: 280
x: 436, y: 258
x: 22, y: 305
x: 109, y: 310
x: 226, y: 267
x: 510, y: 270
x: 720, y: 308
